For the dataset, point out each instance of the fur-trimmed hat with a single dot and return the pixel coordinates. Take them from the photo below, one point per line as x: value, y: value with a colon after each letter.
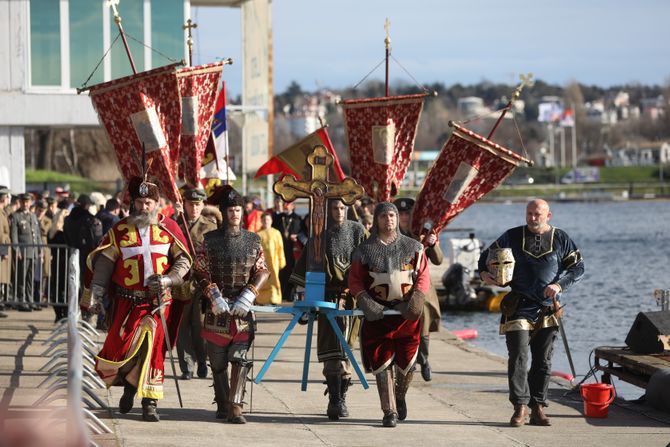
x: 140, y: 189
x: 230, y: 197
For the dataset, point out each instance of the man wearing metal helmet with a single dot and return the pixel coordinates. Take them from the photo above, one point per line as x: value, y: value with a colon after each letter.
x: 230, y: 268
x: 137, y: 262
x: 546, y: 263
x: 389, y: 271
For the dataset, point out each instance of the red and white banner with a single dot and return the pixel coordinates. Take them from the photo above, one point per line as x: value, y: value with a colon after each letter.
x: 468, y: 167
x: 142, y: 109
x: 380, y: 134
x: 198, y: 87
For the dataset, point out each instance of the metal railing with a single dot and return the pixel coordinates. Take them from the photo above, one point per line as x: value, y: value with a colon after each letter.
x: 37, y: 275
x: 71, y: 368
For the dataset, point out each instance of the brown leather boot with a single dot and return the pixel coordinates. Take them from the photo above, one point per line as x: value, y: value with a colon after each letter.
x: 519, y: 416
x: 537, y: 416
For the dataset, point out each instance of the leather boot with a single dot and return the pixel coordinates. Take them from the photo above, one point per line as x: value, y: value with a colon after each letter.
x: 537, y: 416
x: 402, y: 382
x: 127, y: 398
x: 344, y: 411
x: 426, y: 372
x: 386, y: 389
x: 238, y: 380
x: 334, y: 382
x: 149, y: 410
x: 519, y: 416
x: 221, y: 392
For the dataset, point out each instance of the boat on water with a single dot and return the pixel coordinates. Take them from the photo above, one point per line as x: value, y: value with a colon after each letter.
x: 462, y: 289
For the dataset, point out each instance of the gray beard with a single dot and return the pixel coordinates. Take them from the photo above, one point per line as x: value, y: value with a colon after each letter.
x: 141, y: 219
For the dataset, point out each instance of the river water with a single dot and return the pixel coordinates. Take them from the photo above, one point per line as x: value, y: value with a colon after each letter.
x: 626, y: 251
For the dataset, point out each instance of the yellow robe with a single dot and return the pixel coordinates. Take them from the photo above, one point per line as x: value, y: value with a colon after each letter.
x: 273, y: 247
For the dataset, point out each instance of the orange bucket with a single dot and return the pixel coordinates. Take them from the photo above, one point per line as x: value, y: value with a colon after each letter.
x: 597, y: 399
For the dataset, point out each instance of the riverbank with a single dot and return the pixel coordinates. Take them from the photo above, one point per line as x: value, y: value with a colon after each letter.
x: 465, y: 403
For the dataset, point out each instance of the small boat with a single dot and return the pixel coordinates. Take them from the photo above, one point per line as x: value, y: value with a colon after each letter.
x: 461, y: 287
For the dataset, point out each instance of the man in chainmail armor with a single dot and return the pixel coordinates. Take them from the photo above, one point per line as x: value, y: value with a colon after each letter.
x: 341, y: 239
x: 389, y: 271
x: 230, y: 268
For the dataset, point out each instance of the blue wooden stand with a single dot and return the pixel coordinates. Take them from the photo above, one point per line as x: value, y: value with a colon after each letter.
x: 315, y: 286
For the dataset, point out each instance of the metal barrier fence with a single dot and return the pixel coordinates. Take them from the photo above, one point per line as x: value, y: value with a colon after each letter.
x: 37, y: 275
x: 71, y: 366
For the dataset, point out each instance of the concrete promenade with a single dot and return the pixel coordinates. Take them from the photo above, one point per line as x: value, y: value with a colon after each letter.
x: 464, y: 405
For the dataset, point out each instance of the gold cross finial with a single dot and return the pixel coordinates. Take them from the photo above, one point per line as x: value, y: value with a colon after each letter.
x: 387, y: 28
x: 526, y: 81
x: 114, y: 5
x: 190, y: 24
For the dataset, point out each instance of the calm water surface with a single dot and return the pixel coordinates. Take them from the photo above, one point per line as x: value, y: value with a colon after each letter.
x: 626, y: 250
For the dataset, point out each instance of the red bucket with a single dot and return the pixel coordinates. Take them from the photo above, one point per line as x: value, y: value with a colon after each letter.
x: 597, y: 399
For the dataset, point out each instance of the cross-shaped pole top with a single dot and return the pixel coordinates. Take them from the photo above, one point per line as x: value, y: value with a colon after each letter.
x: 318, y: 190
x: 190, y: 24
x: 114, y: 5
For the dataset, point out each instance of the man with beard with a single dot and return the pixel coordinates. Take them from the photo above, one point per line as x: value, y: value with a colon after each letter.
x: 137, y: 262
x: 546, y: 263
x: 230, y: 268
x: 389, y: 270
x: 190, y: 345
x: 341, y: 239
x: 431, y: 319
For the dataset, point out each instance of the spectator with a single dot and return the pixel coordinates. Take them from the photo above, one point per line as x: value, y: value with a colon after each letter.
x: 5, y: 254
x: 109, y: 215
x: 58, y: 266
x: 25, y: 230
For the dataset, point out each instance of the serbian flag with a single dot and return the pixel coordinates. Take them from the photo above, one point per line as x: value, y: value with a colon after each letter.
x: 468, y: 167
x: 142, y: 109
x: 380, y: 133
x: 197, y: 87
x: 293, y: 160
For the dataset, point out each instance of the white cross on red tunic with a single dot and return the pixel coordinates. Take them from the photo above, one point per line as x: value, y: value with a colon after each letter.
x: 146, y: 249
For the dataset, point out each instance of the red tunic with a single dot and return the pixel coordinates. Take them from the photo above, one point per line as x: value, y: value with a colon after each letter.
x: 393, y: 339
x: 134, y: 325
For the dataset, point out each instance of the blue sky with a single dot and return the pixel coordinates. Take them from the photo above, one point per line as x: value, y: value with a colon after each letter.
x: 336, y: 43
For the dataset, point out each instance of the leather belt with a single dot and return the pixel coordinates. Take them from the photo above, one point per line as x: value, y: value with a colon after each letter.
x: 136, y: 296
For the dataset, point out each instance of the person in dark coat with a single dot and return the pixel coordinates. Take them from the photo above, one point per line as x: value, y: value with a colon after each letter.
x: 109, y: 215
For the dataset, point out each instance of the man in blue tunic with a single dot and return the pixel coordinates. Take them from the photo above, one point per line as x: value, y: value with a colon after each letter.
x: 547, y: 263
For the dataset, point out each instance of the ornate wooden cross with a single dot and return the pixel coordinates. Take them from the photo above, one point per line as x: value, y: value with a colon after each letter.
x: 318, y: 190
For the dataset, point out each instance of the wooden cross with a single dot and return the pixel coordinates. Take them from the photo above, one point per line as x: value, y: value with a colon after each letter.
x: 189, y: 26
x: 318, y: 190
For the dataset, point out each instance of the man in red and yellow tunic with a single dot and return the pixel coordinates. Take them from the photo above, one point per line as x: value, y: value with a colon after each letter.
x: 389, y: 271
x: 140, y: 257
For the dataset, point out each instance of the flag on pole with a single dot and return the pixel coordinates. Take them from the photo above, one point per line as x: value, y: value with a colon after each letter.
x: 215, y: 171
x: 197, y: 88
x: 468, y: 167
x: 142, y: 109
x: 293, y: 160
x: 380, y: 133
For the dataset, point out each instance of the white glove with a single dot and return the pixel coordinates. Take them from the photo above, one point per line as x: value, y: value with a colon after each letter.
x: 243, y: 303
x: 219, y: 305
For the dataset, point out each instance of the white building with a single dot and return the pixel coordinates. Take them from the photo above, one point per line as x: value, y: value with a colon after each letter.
x: 48, y: 48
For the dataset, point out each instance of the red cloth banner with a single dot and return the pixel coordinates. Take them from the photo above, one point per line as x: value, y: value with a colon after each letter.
x: 198, y: 88
x: 142, y: 109
x: 380, y: 133
x: 468, y: 167
x: 293, y: 160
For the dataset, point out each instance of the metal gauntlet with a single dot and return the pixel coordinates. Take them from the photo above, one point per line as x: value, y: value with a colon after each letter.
x: 372, y: 310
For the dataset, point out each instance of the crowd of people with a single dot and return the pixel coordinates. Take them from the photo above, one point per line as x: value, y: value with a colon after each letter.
x: 205, y: 271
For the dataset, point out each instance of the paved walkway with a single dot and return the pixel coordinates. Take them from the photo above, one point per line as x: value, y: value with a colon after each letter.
x: 465, y: 404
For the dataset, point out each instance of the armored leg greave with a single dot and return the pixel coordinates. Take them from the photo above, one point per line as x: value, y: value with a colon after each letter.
x: 386, y: 388
x: 238, y: 381
x: 402, y: 382
x: 221, y: 392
